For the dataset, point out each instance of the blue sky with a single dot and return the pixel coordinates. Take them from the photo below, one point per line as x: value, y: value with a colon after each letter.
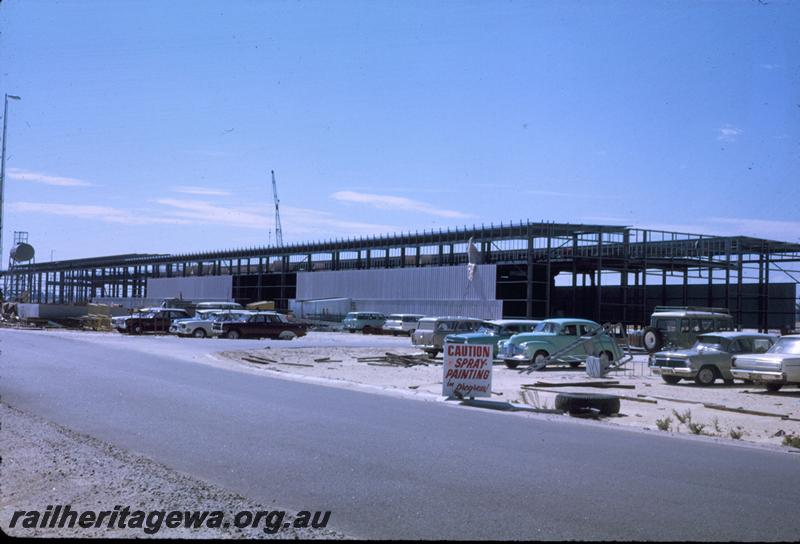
x: 153, y: 126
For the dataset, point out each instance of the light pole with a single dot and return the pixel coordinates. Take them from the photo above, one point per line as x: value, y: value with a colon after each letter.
x: 3, y: 171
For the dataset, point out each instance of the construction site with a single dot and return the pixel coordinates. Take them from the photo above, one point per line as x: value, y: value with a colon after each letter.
x: 519, y: 270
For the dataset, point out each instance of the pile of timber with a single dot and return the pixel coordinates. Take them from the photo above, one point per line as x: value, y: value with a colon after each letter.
x: 396, y: 359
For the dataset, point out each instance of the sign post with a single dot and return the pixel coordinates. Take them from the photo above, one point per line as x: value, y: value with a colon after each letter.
x: 467, y: 370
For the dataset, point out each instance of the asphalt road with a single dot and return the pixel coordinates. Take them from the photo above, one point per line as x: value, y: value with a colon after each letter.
x: 396, y: 468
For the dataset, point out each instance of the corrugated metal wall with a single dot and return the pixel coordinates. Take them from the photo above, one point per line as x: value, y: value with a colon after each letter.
x: 217, y: 288
x: 432, y: 291
x: 427, y: 283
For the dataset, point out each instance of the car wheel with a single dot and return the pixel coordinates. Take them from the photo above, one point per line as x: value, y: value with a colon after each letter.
x: 774, y: 387
x: 137, y: 329
x: 706, y: 376
x: 287, y: 335
x: 652, y: 339
x: 233, y: 334
x: 367, y: 330
x: 539, y: 357
x: 580, y: 403
x: 432, y: 353
x: 575, y: 364
x: 199, y: 333
x: 672, y: 380
x: 511, y: 364
x: 728, y: 382
x: 353, y: 331
x: 394, y: 333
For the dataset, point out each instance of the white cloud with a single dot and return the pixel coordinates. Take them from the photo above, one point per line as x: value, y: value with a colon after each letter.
x: 38, y: 177
x: 770, y: 66
x: 105, y: 214
x: 200, y: 211
x: 195, y: 190
x: 729, y: 133
x: 294, y: 221
x: 386, y: 202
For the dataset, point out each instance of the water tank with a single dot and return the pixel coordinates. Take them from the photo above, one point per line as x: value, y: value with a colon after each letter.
x: 22, y: 252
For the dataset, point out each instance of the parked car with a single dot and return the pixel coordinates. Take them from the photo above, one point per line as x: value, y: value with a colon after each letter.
x: 554, y: 335
x: 402, y: 323
x: 218, y: 306
x: 779, y: 366
x: 678, y: 327
x: 200, y: 326
x: 259, y: 325
x: 366, y: 322
x: 709, y: 359
x: 492, y: 332
x: 149, y: 320
x: 431, y: 331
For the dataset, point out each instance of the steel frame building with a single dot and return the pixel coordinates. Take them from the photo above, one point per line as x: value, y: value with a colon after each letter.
x: 607, y: 272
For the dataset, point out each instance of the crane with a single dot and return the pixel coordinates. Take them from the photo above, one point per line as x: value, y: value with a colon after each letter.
x: 278, y: 231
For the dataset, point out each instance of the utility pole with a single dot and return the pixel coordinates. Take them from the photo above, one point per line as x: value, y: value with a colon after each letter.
x: 3, y: 170
x: 278, y: 231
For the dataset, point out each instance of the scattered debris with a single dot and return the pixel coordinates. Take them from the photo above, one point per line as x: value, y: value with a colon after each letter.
x: 602, y: 385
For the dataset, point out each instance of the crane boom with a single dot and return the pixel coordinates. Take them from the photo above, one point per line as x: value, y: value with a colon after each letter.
x: 278, y: 230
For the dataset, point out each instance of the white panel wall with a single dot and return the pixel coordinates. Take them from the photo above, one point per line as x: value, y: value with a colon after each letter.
x: 432, y: 291
x: 427, y: 283
x: 191, y: 288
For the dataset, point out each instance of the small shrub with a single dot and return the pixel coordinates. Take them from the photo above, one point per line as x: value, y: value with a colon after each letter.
x: 696, y: 428
x: 792, y: 441
x: 736, y: 434
x: 685, y: 417
x: 715, y: 423
x: 664, y: 424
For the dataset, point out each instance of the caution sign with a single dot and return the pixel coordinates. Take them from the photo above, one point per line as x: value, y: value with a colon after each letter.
x: 467, y: 370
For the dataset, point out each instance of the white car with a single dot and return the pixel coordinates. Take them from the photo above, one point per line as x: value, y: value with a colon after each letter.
x: 402, y: 323
x: 779, y: 366
x: 200, y: 326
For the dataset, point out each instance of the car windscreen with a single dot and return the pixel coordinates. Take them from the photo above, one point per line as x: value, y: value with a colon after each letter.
x: 489, y: 329
x: 711, y: 342
x: 789, y: 346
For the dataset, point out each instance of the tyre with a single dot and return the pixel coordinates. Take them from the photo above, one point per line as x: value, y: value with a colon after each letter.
x: 706, y: 376
x: 394, y: 333
x: 432, y: 353
x: 672, y: 380
x: 581, y: 403
x: 367, y: 330
x: 652, y: 339
x: 352, y: 331
x: 728, y: 382
x: 511, y: 364
x: 574, y: 365
x: 538, y: 357
x: 287, y: 335
x: 233, y: 334
x: 199, y: 333
x: 774, y: 387
x: 137, y: 329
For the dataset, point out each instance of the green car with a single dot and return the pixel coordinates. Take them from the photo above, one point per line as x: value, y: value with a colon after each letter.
x: 366, y: 322
x: 492, y: 332
x: 553, y: 335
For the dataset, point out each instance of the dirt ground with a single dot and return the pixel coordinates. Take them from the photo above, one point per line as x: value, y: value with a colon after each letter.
x: 646, y: 401
x: 46, y: 464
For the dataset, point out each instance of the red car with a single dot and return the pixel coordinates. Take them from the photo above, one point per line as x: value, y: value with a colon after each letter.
x: 259, y: 325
